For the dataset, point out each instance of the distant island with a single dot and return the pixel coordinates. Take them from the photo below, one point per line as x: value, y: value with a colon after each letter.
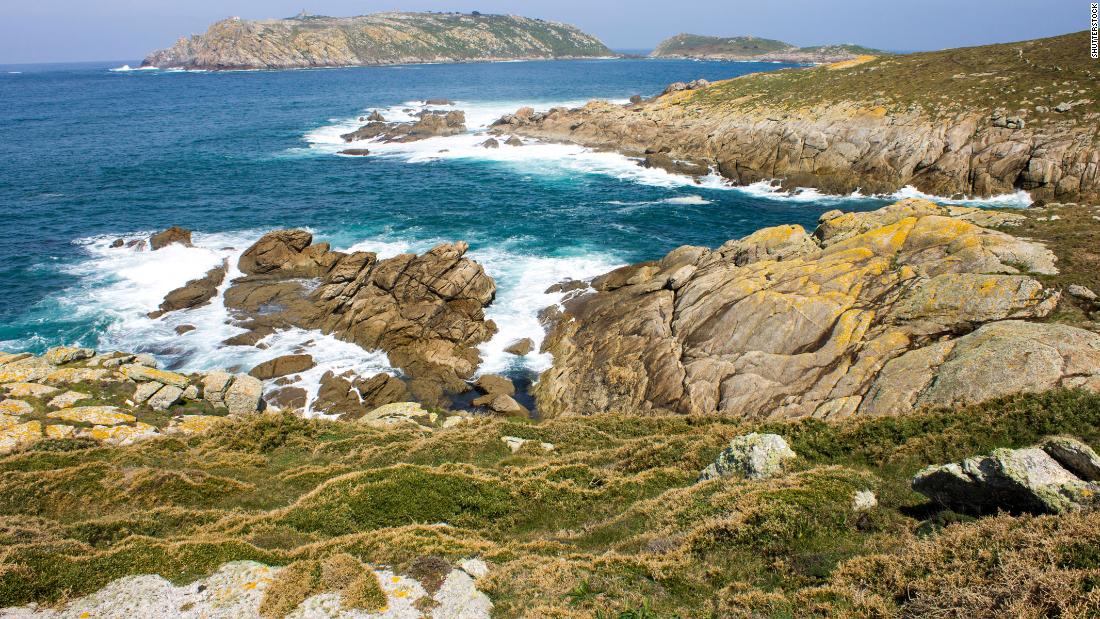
x: 755, y: 48
x: 308, y: 41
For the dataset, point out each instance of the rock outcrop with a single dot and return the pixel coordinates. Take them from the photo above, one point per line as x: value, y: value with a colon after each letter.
x: 431, y: 124
x: 195, y: 293
x: 123, y: 398
x: 752, y: 456
x: 1054, y: 477
x: 875, y: 313
x: 939, y: 121
x: 426, y: 312
x: 239, y: 589
x: 378, y: 39
x: 175, y: 234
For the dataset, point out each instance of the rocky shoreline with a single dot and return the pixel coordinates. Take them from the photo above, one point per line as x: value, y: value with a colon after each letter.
x: 886, y: 373
x: 871, y: 125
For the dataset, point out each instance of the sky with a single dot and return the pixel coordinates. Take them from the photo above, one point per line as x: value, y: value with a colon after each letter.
x: 94, y: 30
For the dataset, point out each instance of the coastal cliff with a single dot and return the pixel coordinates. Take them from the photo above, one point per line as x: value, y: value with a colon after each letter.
x: 874, y: 314
x: 749, y: 48
x: 377, y: 39
x: 976, y: 121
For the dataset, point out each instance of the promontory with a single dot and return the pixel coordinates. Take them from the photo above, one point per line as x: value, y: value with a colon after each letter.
x: 975, y: 121
x: 750, y: 48
x: 308, y: 41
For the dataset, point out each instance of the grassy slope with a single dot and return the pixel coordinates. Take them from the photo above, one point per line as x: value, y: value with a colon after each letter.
x: 609, y: 524
x: 1012, y: 76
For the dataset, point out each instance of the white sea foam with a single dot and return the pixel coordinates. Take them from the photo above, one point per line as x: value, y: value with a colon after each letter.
x: 127, y: 68
x: 522, y: 280
x: 555, y: 160
x: 120, y: 286
x: 629, y: 207
x: 1019, y: 199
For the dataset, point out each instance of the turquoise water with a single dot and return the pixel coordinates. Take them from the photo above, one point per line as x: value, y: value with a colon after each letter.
x: 88, y: 155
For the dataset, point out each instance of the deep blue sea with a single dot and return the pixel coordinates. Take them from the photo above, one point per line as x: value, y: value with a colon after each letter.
x: 88, y: 155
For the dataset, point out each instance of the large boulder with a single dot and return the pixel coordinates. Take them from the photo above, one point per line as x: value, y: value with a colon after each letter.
x: 752, y: 456
x: 175, y: 234
x: 194, y: 293
x: 1055, y: 477
x: 282, y: 366
x: 875, y: 313
x: 290, y: 253
x: 351, y: 396
x: 244, y: 395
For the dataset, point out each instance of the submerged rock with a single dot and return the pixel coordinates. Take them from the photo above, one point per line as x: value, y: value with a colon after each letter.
x: 752, y: 456
x: 1038, y: 480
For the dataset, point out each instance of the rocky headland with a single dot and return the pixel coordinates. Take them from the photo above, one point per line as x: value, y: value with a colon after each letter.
x: 975, y: 121
x: 379, y: 39
x: 750, y: 48
x: 871, y: 314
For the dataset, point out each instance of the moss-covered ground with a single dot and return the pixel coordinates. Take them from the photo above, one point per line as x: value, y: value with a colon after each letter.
x: 611, y: 523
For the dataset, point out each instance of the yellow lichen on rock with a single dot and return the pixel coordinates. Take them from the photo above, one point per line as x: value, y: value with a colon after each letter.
x: 142, y: 373
x: 60, y: 431
x: 120, y: 435
x: 98, y: 415
x: 194, y: 424
x: 64, y: 376
x: 20, y: 436
x: 16, y: 407
x: 29, y: 390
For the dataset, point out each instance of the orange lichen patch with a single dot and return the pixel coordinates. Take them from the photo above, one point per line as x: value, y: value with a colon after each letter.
x: 29, y: 390
x: 98, y: 415
x: 15, y: 407
x: 194, y: 424
x: 77, y: 375
x: 120, y: 435
x: 21, y: 373
x: 19, y: 436
x: 7, y: 421
x: 142, y: 373
x: 847, y: 64
x: 60, y: 431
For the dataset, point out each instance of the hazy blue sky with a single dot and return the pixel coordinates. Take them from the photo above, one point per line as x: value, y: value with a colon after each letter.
x: 65, y: 30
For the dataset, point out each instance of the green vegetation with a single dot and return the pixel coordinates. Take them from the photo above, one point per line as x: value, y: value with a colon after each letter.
x: 697, y: 45
x: 611, y: 523
x: 1014, y: 77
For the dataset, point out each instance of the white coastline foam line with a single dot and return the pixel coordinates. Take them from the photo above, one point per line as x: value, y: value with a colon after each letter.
x: 521, y: 284
x: 1019, y: 199
x: 124, y: 285
x: 127, y: 69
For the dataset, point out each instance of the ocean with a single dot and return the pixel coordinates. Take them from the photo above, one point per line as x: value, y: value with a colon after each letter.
x: 90, y: 153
